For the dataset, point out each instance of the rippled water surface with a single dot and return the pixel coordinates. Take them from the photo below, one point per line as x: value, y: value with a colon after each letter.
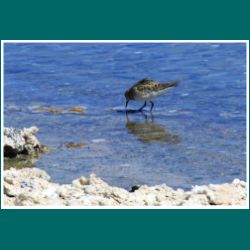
x: 195, y: 135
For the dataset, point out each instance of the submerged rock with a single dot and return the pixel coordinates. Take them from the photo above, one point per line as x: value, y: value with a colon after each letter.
x: 21, y: 141
x: 56, y: 110
x: 21, y: 161
x: 32, y: 186
x: 75, y: 145
x: 50, y: 110
x: 77, y: 110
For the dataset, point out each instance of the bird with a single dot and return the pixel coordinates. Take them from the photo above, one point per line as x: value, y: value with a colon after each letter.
x: 147, y: 90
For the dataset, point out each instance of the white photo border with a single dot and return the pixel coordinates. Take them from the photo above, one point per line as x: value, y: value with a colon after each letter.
x: 3, y: 42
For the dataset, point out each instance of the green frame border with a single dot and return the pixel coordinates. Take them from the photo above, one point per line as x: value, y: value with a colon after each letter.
x: 125, y: 229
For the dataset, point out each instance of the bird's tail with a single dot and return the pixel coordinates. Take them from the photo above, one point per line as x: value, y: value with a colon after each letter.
x: 170, y: 84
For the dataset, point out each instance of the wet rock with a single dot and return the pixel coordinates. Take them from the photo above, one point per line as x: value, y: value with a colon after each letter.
x: 77, y: 110
x: 134, y: 188
x: 20, y: 161
x: 21, y: 141
x: 50, y: 110
x: 56, y: 110
x: 32, y: 187
x: 75, y: 145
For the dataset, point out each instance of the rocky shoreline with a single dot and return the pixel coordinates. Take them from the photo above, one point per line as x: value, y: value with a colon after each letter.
x: 32, y: 186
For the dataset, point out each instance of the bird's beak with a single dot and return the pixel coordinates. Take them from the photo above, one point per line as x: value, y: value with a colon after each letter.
x: 126, y: 103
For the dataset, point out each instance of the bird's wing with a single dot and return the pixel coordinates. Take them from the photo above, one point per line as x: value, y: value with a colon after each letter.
x: 145, y: 85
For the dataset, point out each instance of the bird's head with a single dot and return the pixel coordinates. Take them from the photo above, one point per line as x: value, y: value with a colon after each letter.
x: 126, y: 94
x: 127, y: 98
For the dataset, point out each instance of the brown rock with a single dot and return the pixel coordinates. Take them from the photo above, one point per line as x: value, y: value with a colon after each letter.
x: 77, y: 110
x: 75, y: 145
x: 50, y: 110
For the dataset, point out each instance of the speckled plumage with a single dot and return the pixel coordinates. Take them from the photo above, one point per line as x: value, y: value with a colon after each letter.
x: 146, y: 90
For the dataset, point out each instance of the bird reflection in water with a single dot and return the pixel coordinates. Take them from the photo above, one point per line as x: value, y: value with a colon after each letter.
x: 148, y: 131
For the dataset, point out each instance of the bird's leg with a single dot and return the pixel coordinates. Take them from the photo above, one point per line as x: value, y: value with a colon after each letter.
x: 126, y: 104
x: 142, y: 107
x: 152, y: 106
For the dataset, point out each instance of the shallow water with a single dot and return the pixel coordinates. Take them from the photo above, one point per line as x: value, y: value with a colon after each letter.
x: 195, y: 135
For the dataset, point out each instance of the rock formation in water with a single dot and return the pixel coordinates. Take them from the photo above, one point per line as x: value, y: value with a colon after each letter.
x: 21, y: 141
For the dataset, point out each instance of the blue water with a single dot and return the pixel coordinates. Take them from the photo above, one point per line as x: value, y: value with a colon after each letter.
x: 196, y: 134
